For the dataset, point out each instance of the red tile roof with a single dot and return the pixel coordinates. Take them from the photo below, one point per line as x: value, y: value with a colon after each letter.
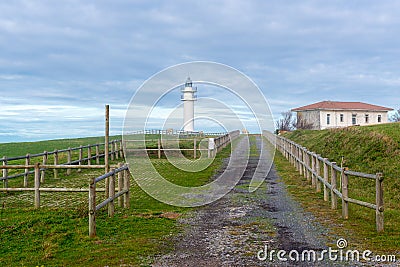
x: 335, y: 105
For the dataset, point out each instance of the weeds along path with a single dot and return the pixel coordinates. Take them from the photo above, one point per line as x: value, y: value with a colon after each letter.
x: 230, y: 231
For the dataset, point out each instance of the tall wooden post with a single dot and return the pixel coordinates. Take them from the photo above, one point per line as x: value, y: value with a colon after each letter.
x: 379, y: 203
x: 106, y: 148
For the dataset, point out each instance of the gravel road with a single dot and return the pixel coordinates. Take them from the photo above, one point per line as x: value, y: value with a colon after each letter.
x: 234, y: 229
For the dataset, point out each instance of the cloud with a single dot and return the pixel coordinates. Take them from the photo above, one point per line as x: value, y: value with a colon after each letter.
x: 82, y: 55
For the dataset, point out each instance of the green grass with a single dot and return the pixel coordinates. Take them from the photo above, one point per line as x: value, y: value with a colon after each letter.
x: 366, y: 149
x: 58, y: 235
x: 23, y: 148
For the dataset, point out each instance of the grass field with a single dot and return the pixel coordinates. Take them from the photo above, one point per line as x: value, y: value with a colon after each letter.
x: 57, y: 233
x: 366, y: 149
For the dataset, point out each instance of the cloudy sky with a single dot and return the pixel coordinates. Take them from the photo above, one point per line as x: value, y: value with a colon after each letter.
x: 62, y: 61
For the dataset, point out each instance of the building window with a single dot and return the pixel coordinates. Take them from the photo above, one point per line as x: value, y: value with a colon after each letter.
x: 354, y: 119
x: 328, y: 119
x: 379, y: 118
x: 366, y: 118
x: 341, y: 118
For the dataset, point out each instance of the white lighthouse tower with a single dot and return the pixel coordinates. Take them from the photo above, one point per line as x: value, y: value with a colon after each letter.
x: 188, y: 98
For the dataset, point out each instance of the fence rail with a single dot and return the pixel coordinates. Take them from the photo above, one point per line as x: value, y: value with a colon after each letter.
x: 323, y: 173
x: 93, y: 153
x: 176, y: 132
x: 214, y: 144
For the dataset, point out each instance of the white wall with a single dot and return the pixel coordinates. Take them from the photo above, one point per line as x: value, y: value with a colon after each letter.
x: 348, y: 118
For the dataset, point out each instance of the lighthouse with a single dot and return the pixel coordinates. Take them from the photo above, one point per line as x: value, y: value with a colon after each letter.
x: 188, y: 98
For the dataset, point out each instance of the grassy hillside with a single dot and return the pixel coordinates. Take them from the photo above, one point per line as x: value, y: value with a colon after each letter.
x: 369, y: 149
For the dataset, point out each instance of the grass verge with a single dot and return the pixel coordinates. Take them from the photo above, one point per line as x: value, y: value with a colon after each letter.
x: 359, y: 229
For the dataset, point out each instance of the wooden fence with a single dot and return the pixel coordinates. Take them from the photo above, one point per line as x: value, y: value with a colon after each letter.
x: 219, y: 143
x: 93, y: 153
x: 181, y: 134
x: 323, y: 173
x: 123, y: 187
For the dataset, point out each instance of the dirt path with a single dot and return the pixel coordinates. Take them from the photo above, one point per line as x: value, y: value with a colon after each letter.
x: 232, y: 230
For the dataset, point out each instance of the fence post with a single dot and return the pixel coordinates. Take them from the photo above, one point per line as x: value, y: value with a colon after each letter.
x: 92, y: 207
x: 26, y: 174
x: 304, y: 156
x: 97, y: 154
x: 116, y: 149
x: 194, y: 148
x: 345, y: 195
x: 5, y: 173
x: 111, y: 194
x: 37, y: 185
x: 379, y: 203
x: 333, y: 183
x: 69, y: 159
x: 301, y: 161
x: 127, y: 187
x: 112, y: 150
x: 326, y: 180
x: 106, y: 144
x: 80, y: 156
x: 55, y: 171
x: 309, y: 164
x: 121, y: 150
x: 89, y: 152
x: 313, y: 169
x: 120, y: 185
x: 45, y: 157
x: 318, y: 169
x: 159, y: 147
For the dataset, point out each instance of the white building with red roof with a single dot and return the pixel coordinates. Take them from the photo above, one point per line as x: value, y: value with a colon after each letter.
x: 334, y: 114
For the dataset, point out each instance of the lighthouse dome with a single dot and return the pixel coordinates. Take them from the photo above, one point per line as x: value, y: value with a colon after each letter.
x: 188, y: 82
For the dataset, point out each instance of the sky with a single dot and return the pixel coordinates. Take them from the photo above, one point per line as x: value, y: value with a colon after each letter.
x: 62, y: 61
